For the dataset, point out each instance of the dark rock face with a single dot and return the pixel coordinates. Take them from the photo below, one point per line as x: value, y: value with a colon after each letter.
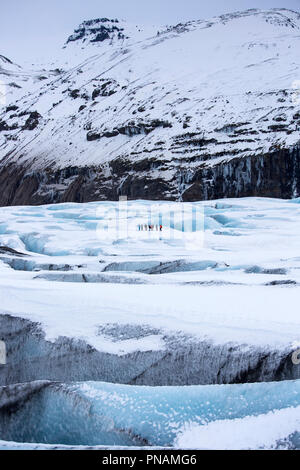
x: 17, y: 185
x: 102, y: 34
x: 272, y: 175
x: 92, y: 135
x: 11, y: 108
x: 6, y: 250
x: 98, y: 30
x: 105, y: 88
x: 5, y: 127
x: 75, y: 94
x: 5, y: 59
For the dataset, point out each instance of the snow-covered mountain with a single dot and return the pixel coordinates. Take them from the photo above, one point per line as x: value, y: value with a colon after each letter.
x: 16, y: 82
x: 201, y: 110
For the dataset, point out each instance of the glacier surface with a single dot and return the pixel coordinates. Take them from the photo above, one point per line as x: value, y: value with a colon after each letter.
x: 129, y: 310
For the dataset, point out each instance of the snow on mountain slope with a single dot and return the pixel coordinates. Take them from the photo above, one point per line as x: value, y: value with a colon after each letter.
x: 201, y: 110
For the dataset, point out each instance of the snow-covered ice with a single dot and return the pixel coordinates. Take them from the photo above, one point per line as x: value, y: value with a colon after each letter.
x: 236, y: 287
x: 145, y: 112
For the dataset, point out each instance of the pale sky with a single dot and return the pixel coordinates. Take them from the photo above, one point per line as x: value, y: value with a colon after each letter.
x: 32, y: 28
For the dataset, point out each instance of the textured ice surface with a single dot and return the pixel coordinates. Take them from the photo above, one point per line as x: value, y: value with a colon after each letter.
x: 146, y: 310
x: 95, y: 413
x: 240, y: 289
x: 233, y: 97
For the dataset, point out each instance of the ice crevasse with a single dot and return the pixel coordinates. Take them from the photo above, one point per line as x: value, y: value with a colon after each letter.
x: 259, y: 415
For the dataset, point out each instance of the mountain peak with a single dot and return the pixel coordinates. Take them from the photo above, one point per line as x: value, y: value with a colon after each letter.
x: 98, y: 30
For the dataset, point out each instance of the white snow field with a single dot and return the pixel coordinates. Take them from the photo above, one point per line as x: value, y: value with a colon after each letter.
x: 181, y: 306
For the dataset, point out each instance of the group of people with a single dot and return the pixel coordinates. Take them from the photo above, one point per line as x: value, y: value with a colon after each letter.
x: 149, y: 227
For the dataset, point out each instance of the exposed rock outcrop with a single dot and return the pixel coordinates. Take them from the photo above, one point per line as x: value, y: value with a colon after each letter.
x: 271, y: 175
x: 136, y: 113
x: 184, y: 360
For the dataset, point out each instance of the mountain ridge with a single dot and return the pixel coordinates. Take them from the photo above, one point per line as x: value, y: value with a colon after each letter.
x: 205, y: 109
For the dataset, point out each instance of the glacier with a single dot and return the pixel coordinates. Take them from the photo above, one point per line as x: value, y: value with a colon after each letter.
x: 104, y: 414
x: 129, y: 338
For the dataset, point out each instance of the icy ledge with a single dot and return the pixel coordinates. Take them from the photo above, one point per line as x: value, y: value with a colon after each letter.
x: 137, y: 355
x: 256, y: 416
